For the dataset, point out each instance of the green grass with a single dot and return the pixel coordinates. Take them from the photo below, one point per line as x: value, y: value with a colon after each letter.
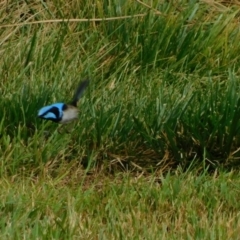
x: 163, y: 96
x: 183, y: 206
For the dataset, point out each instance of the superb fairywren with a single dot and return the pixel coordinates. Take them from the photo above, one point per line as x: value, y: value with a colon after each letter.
x: 61, y: 112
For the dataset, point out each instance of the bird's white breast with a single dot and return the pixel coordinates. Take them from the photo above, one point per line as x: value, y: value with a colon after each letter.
x: 69, y: 115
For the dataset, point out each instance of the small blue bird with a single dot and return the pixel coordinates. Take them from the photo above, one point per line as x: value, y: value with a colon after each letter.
x: 61, y: 112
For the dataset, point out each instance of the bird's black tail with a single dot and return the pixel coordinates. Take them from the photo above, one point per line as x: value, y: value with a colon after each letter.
x: 79, y: 92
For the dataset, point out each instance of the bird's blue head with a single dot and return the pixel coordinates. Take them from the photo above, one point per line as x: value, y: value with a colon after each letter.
x: 52, y: 112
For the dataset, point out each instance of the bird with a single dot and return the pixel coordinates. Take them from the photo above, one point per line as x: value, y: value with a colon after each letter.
x: 61, y: 112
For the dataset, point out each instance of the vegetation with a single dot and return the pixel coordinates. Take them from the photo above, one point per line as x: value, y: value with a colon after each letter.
x: 164, y: 96
x: 184, y: 206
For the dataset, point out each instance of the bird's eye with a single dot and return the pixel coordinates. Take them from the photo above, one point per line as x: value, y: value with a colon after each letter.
x: 44, y: 110
x: 50, y: 112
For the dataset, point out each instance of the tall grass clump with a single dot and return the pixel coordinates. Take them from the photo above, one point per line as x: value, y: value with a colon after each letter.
x: 164, y: 83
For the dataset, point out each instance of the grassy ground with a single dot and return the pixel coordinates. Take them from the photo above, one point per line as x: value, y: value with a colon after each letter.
x: 163, y: 97
x: 76, y: 206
